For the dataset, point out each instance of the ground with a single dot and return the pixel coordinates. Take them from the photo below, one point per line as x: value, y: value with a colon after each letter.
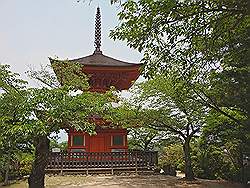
x: 132, y: 181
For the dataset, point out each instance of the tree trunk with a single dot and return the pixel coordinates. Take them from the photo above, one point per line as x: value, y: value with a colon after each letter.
x: 189, y: 175
x: 7, y: 170
x: 146, y: 146
x: 36, y: 179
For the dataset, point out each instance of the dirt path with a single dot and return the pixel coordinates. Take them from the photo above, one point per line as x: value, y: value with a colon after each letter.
x: 156, y: 181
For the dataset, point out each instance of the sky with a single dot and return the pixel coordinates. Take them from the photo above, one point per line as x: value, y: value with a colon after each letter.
x: 31, y: 31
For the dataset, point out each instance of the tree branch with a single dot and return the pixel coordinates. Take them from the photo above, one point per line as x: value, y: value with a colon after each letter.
x: 215, y: 107
x: 170, y: 128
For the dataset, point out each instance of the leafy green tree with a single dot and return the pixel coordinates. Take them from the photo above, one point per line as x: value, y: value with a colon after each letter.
x: 204, y: 42
x: 170, y: 32
x: 51, y: 108
x: 12, y: 114
x: 211, y: 161
x: 161, y: 105
x: 224, y: 141
x: 143, y: 138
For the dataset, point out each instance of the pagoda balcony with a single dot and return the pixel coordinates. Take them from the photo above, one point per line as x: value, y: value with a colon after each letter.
x: 94, y: 162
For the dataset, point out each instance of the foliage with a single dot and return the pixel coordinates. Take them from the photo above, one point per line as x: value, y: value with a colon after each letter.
x: 214, y: 162
x: 216, y: 144
x: 33, y: 114
x: 54, y: 144
x: 25, y: 161
x: 172, y: 155
x: 143, y: 138
x: 162, y: 105
x: 13, y: 115
x: 169, y: 30
x: 205, y: 43
x: 204, y: 46
x: 20, y: 165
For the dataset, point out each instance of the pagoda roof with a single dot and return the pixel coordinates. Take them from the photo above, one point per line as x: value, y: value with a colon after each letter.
x: 104, y: 71
x: 100, y: 60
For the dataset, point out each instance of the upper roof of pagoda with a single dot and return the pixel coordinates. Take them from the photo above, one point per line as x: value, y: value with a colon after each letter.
x: 98, y: 59
x: 105, y: 71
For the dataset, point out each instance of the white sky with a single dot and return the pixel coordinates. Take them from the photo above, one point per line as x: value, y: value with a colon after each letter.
x: 31, y: 31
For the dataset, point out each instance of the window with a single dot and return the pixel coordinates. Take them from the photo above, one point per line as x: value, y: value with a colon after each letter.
x: 78, y: 140
x: 118, y: 140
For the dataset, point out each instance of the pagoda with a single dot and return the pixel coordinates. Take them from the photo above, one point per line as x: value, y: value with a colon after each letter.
x: 103, y: 72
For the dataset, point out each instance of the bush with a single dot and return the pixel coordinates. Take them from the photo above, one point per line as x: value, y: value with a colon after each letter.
x: 25, y: 164
x: 215, y: 163
x: 172, y: 156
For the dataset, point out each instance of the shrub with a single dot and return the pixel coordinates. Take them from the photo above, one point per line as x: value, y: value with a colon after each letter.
x: 25, y: 164
x: 172, y: 156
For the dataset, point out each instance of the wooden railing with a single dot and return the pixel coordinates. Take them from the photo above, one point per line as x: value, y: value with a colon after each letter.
x: 85, y: 161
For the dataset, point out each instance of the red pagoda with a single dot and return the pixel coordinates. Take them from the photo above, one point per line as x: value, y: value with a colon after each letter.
x: 103, y: 72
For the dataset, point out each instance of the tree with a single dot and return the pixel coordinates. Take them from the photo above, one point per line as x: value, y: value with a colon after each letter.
x: 169, y: 30
x: 161, y: 105
x: 216, y: 143
x: 144, y: 138
x: 51, y: 108
x: 204, y: 42
x: 62, y: 146
x: 12, y: 114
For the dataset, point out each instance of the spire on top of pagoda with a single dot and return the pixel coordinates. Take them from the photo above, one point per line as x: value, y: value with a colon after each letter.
x: 98, y: 59
x: 98, y: 31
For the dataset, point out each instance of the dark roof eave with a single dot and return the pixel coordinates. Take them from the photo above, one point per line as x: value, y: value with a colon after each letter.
x: 132, y: 65
x: 100, y: 60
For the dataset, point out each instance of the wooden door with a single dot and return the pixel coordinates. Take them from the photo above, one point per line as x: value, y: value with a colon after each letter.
x: 97, y: 144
